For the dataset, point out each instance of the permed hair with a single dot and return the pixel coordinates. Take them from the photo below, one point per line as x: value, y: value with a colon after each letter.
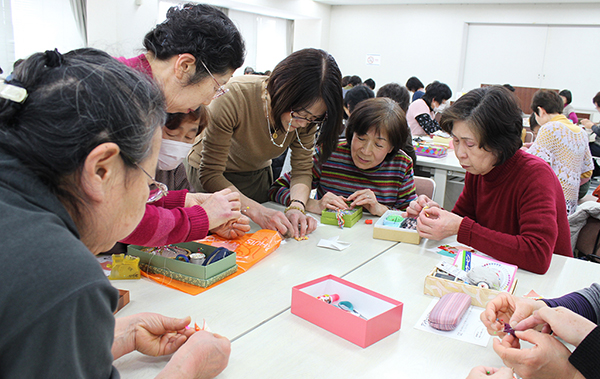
x: 203, y: 31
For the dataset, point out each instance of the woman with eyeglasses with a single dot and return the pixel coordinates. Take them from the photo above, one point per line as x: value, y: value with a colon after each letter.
x: 299, y: 106
x: 79, y: 141
x: 190, y: 55
x: 368, y: 169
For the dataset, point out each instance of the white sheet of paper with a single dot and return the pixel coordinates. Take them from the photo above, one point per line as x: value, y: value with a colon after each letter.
x: 470, y: 329
x: 333, y: 243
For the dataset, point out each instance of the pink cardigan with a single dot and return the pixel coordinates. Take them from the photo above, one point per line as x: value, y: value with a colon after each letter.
x: 167, y: 220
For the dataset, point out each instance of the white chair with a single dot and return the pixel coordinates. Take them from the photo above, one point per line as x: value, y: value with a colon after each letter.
x: 529, y: 137
x: 424, y: 186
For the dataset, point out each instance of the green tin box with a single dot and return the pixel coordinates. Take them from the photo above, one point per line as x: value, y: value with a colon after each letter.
x: 202, y: 276
x: 352, y: 216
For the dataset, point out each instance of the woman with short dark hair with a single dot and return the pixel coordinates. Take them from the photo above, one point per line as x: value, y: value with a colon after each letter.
x: 257, y: 121
x: 79, y: 141
x: 421, y: 112
x: 191, y: 55
x: 368, y: 169
x: 512, y: 206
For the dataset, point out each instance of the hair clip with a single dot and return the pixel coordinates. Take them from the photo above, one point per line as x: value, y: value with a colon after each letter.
x: 12, y: 92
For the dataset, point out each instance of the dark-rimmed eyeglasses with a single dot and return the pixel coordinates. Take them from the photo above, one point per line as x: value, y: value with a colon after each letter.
x: 220, y: 90
x: 315, y: 121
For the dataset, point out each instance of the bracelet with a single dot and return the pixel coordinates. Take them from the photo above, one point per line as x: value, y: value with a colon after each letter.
x: 298, y: 201
x: 294, y: 207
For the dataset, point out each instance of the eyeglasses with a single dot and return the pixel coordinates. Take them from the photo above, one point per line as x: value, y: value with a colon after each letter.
x: 220, y: 90
x: 157, y: 189
x: 317, y: 122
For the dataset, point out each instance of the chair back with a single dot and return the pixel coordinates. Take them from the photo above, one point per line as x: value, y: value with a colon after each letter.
x: 424, y: 186
x: 528, y: 137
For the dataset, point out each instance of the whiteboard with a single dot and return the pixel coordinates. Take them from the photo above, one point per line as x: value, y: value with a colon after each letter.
x: 544, y: 56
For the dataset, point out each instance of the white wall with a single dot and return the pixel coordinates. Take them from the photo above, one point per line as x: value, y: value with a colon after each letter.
x: 427, y: 40
x: 119, y: 26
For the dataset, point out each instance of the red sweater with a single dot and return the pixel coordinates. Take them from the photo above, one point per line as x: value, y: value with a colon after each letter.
x: 166, y: 221
x: 516, y: 213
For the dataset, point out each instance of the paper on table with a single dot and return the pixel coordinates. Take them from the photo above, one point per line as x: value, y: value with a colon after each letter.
x: 333, y: 243
x: 470, y: 329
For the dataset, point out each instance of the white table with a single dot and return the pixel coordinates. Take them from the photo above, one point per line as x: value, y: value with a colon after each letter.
x: 253, y: 310
x: 442, y: 168
x: 291, y: 347
x: 240, y: 304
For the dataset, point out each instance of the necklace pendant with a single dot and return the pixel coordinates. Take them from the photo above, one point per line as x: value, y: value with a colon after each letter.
x: 275, y: 135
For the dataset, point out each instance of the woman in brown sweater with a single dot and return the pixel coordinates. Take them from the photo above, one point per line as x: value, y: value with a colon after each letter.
x: 257, y: 121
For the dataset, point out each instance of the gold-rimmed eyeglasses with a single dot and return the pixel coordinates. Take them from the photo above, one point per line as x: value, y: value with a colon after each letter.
x: 317, y: 121
x: 220, y: 90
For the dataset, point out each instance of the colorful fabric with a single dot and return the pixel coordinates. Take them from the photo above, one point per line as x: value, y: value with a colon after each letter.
x: 566, y: 148
x: 516, y: 213
x: 391, y: 182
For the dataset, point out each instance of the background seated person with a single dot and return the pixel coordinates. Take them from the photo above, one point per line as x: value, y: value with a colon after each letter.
x: 595, y: 128
x: 573, y: 317
x: 421, y: 112
x: 568, y: 109
x: 563, y: 145
x: 414, y: 85
x: 495, y: 213
x: 368, y: 169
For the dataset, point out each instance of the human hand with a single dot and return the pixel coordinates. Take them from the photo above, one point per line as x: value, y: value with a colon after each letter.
x: 436, y: 223
x: 416, y: 206
x: 331, y: 201
x: 268, y: 218
x: 547, y: 359
x: 481, y: 372
x: 222, y: 207
x: 367, y: 199
x: 564, y: 323
x: 204, y: 355
x: 510, y: 309
x: 233, y: 228
x: 305, y: 224
x: 586, y: 123
x: 149, y: 333
x: 527, y: 145
x: 192, y: 199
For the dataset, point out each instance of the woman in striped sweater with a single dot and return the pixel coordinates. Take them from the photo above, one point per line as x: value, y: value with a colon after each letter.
x: 368, y: 169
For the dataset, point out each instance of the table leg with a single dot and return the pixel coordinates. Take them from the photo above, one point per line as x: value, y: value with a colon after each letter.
x: 440, y: 176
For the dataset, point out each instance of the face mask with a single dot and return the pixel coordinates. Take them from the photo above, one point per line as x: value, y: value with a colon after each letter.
x: 440, y: 108
x: 172, y: 153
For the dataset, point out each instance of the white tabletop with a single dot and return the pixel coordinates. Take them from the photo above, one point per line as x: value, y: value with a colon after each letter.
x: 270, y: 342
x: 449, y: 162
x: 254, y: 297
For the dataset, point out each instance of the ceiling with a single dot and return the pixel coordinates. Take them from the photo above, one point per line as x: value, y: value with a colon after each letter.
x: 419, y: 2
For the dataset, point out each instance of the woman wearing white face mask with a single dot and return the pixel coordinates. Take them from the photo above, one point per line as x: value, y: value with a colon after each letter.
x: 421, y: 112
x: 178, y: 136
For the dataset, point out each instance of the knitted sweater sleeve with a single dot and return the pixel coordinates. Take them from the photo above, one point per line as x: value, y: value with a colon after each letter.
x: 167, y: 221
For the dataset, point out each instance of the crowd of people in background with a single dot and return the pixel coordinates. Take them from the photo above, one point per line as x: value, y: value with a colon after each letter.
x: 169, y: 147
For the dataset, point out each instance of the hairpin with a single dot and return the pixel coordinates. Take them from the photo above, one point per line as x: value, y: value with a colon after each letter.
x: 12, y: 92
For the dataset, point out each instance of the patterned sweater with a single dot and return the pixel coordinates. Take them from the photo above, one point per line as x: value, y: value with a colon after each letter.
x: 391, y: 182
x: 565, y: 147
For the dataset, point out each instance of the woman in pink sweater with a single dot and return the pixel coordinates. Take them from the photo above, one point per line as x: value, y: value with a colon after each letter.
x: 512, y: 206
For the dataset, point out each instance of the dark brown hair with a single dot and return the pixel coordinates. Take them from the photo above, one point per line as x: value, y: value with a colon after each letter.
x: 380, y: 113
x: 200, y: 115
x: 300, y: 80
x: 494, y: 115
x: 547, y: 99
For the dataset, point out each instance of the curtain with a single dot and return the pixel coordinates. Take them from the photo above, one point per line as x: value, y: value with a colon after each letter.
x: 79, y: 8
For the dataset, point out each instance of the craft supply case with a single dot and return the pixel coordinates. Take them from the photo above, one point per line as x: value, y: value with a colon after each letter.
x: 449, y: 310
x: 329, y: 217
x: 392, y: 233
x: 202, y: 276
x: 383, y: 314
x: 431, y: 150
x: 479, y: 296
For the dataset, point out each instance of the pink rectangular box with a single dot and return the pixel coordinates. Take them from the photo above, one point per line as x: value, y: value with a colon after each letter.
x: 383, y: 314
